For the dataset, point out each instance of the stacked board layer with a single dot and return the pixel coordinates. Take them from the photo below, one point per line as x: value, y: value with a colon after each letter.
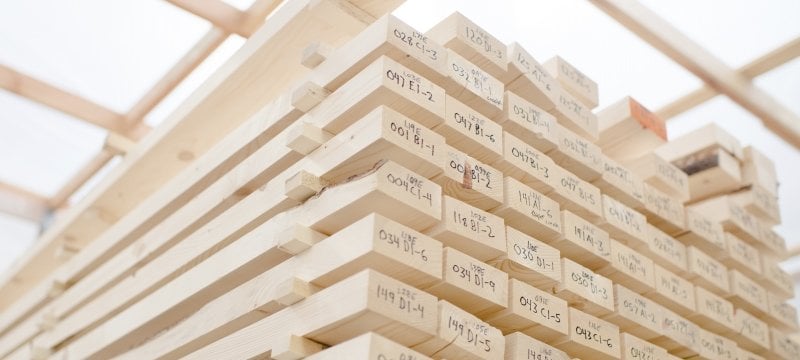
x: 433, y: 195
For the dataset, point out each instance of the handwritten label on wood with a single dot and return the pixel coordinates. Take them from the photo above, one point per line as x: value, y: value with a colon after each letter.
x: 528, y: 78
x: 471, y: 181
x: 623, y: 222
x: 403, y: 303
x: 459, y: 33
x: 714, y: 310
x: 407, y: 246
x: 573, y: 80
x: 680, y: 330
x: 471, y: 132
x: 411, y: 188
x: 637, y: 314
x: 713, y: 346
x: 468, y: 334
x: 471, y: 230
x: 634, y: 348
x: 414, y: 44
x: 677, y: 291
x: 752, y: 329
x: 750, y: 294
x: 703, y: 232
x: 483, y: 287
x: 664, y: 206
x: 594, y: 333
x: 532, y: 311
x: 529, y: 122
x: 630, y: 267
x: 576, y: 116
x: 586, y: 289
x: 530, y: 211
x: 665, y: 250
x: 522, y: 347
x: 584, y: 241
x: 485, y: 92
x: 577, y: 154
x: 708, y: 271
x: 578, y: 195
x: 528, y: 165
x: 619, y: 182
x: 530, y: 260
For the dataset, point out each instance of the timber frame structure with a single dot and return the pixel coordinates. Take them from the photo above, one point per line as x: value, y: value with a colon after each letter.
x: 154, y: 156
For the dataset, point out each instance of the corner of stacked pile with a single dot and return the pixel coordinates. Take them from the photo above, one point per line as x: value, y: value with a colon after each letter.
x: 437, y: 195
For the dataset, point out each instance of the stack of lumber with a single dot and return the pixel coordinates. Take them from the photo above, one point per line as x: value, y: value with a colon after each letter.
x: 426, y: 195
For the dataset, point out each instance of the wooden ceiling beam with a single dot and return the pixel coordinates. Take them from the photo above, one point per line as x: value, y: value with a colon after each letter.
x: 80, y: 178
x: 22, y: 203
x: 58, y: 99
x: 759, y: 66
x: 218, y: 13
x: 672, y: 43
x: 185, y: 66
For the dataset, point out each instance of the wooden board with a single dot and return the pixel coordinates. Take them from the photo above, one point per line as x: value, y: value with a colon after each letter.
x: 374, y: 242
x: 573, y: 81
x: 591, y: 338
x: 520, y: 346
x: 673, y: 291
x: 782, y: 314
x: 470, y: 230
x: 758, y: 169
x: 459, y: 33
x: 529, y: 79
x: 528, y: 122
x: 527, y: 164
x: 760, y: 203
x: 529, y: 211
x: 712, y: 171
x: 620, y: 183
x: 577, y: 154
x: 533, y: 312
x: 470, y: 181
x: 469, y: 131
x: 663, y: 211
x: 747, y: 294
x: 472, y: 85
x: 471, y: 284
x: 627, y: 130
x: 664, y: 250
x: 636, y: 348
x: 750, y: 332
x: 368, y: 346
x: 461, y: 335
x: 679, y: 335
x: 583, y: 241
x: 636, y: 314
x: 367, y: 304
x: 623, y: 223
x: 662, y: 175
x: 705, y: 270
x: 584, y: 289
x: 529, y: 260
x: 703, y: 233
x: 193, y: 128
x: 630, y: 268
x: 577, y: 195
x: 714, y: 313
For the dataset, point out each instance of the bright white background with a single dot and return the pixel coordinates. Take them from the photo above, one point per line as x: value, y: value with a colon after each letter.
x: 112, y: 52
